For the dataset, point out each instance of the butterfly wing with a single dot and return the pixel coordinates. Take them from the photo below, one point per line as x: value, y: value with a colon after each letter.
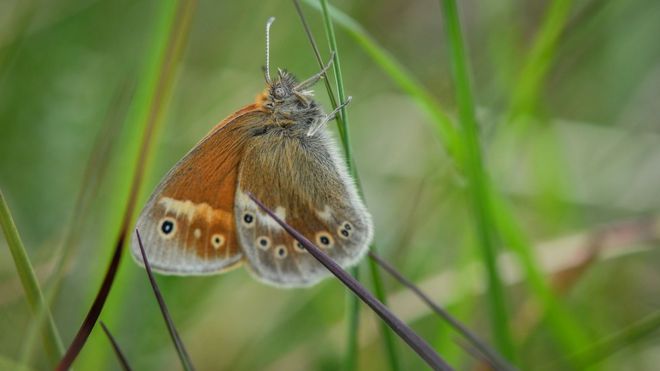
x: 304, y: 181
x: 187, y: 226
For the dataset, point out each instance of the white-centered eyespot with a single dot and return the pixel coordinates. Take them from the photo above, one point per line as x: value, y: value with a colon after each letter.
x: 167, y: 227
x: 324, y: 240
x: 281, y: 252
x: 345, y: 230
x: 263, y: 242
x: 248, y: 219
x: 298, y: 246
x: 217, y: 240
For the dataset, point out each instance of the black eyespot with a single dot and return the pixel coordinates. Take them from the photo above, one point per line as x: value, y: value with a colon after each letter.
x: 167, y: 227
x: 281, y: 251
x: 248, y: 218
x: 216, y: 240
x: 348, y: 226
x: 325, y: 240
x: 344, y: 232
x: 263, y: 242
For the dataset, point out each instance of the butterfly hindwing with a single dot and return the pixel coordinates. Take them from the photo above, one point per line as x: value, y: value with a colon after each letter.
x: 187, y: 226
x: 304, y: 181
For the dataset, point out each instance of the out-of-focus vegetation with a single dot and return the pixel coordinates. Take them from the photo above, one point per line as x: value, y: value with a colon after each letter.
x: 566, y: 96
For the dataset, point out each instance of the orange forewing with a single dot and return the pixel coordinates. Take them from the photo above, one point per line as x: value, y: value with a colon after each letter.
x: 197, y: 195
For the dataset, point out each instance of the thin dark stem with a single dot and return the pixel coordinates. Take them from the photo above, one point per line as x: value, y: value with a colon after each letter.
x: 94, y: 312
x: 115, y: 346
x: 178, y: 344
x: 495, y: 359
x: 418, y: 344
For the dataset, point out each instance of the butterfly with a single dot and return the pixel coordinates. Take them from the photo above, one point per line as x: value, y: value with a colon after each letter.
x: 200, y: 219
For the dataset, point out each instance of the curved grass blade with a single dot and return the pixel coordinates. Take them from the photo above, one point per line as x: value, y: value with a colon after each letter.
x: 95, y: 310
x: 444, y: 126
x: 92, y: 177
x: 413, y: 340
x: 353, y: 305
x: 115, y: 346
x: 145, y: 113
x: 627, y: 337
x: 536, y: 66
x: 490, y: 355
x: 174, y: 334
x: 35, y: 297
x: 478, y: 180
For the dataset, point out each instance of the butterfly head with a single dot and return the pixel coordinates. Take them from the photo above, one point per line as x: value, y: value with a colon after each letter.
x: 290, y: 102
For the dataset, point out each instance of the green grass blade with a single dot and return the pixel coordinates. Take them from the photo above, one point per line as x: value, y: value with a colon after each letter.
x: 535, y: 68
x: 478, y: 180
x: 352, y: 301
x: 35, y: 297
x: 624, y: 338
x: 397, y: 72
x: 144, y: 122
x: 341, y: 92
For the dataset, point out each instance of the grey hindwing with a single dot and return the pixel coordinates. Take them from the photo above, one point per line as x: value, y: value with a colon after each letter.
x: 304, y: 180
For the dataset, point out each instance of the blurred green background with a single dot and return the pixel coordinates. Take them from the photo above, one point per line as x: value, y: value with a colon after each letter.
x: 567, y: 97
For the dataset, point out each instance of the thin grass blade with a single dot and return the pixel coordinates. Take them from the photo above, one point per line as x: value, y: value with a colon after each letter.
x: 144, y: 116
x: 353, y: 304
x: 35, y: 298
x: 490, y: 355
x: 115, y: 346
x: 95, y: 310
x: 174, y: 334
x: 478, y: 180
x: 443, y: 125
x: 415, y: 342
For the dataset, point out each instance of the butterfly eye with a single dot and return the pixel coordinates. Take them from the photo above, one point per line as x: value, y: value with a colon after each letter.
x: 324, y: 240
x: 167, y: 227
x: 263, y: 242
x: 279, y: 92
x: 281, y: 252
x: 217, y: 240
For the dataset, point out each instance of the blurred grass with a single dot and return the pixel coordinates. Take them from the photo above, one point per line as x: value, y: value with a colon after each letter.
x: 478, y: 180
x: 51, y: 338
x: 588, y: 158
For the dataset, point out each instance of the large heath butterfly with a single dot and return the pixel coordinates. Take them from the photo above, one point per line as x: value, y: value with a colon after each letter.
x: 200, y: 219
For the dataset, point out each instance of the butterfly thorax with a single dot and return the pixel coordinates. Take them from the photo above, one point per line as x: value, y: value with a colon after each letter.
x: 291, y: 107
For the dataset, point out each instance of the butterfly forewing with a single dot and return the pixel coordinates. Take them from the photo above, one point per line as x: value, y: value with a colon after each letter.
x: 304, y: 181
x: 187, y: 226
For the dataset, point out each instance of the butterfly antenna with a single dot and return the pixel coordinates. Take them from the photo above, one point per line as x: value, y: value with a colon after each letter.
x: 331, y: 116
x: 267, y: 72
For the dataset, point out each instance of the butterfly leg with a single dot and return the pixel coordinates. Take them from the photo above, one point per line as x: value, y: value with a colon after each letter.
x: 329, y: 117
x: 312, y: 80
